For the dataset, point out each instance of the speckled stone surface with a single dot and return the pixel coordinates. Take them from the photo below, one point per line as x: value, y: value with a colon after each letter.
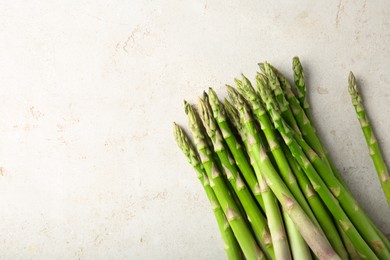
x: 89, y: 91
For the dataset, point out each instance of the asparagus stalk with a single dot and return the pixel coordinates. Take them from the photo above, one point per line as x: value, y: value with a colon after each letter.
x: 309, y: 231
x: 374, y: 150
x: 321, y: 188
x: 256, y: 218
x: 240, y: 229
x: 319, y: 210
x: 231, y: 246
x: 299, y: 78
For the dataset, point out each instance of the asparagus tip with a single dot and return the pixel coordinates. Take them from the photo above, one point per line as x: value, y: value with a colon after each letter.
x: 352, y: 84
x: 297, y: 66
x: 186, y: 106
x: 212, y: 95
x: 238, y: 82
x: 244, y: 79
x: 261, y: 66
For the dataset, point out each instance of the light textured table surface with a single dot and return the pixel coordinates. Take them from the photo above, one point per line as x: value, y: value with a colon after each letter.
x: 89, y: 91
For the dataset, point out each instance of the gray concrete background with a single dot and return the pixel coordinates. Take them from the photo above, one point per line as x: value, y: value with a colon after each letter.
x: 89, y: 91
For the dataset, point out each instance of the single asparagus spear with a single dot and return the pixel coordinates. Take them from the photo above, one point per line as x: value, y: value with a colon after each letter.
x: 256, y: 218
x: 306, y: 124
x: 321, y: 188
x: 375, y: 153
x: 299, y: 78
x: 232, y: 248
x: 319, y: 209
x: 309, y: 231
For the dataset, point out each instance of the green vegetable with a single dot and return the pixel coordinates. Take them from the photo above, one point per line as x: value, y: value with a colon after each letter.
x: 240, y: 229
x: 231, y: 246
x: 309, y: 231
x: 373, y: 147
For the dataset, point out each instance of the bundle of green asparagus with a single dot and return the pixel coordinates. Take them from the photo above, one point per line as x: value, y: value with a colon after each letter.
x: 272, y: 186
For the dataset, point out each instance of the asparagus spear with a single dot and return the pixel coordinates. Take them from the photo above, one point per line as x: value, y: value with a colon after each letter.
x: 375, y: 153
x: 306, y: 124
x: 321, y: 188
x: 309, y: 231
x: 232, y: 248
x: 299, y: 78
x: 240, y: 229
x: 256, y: 218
